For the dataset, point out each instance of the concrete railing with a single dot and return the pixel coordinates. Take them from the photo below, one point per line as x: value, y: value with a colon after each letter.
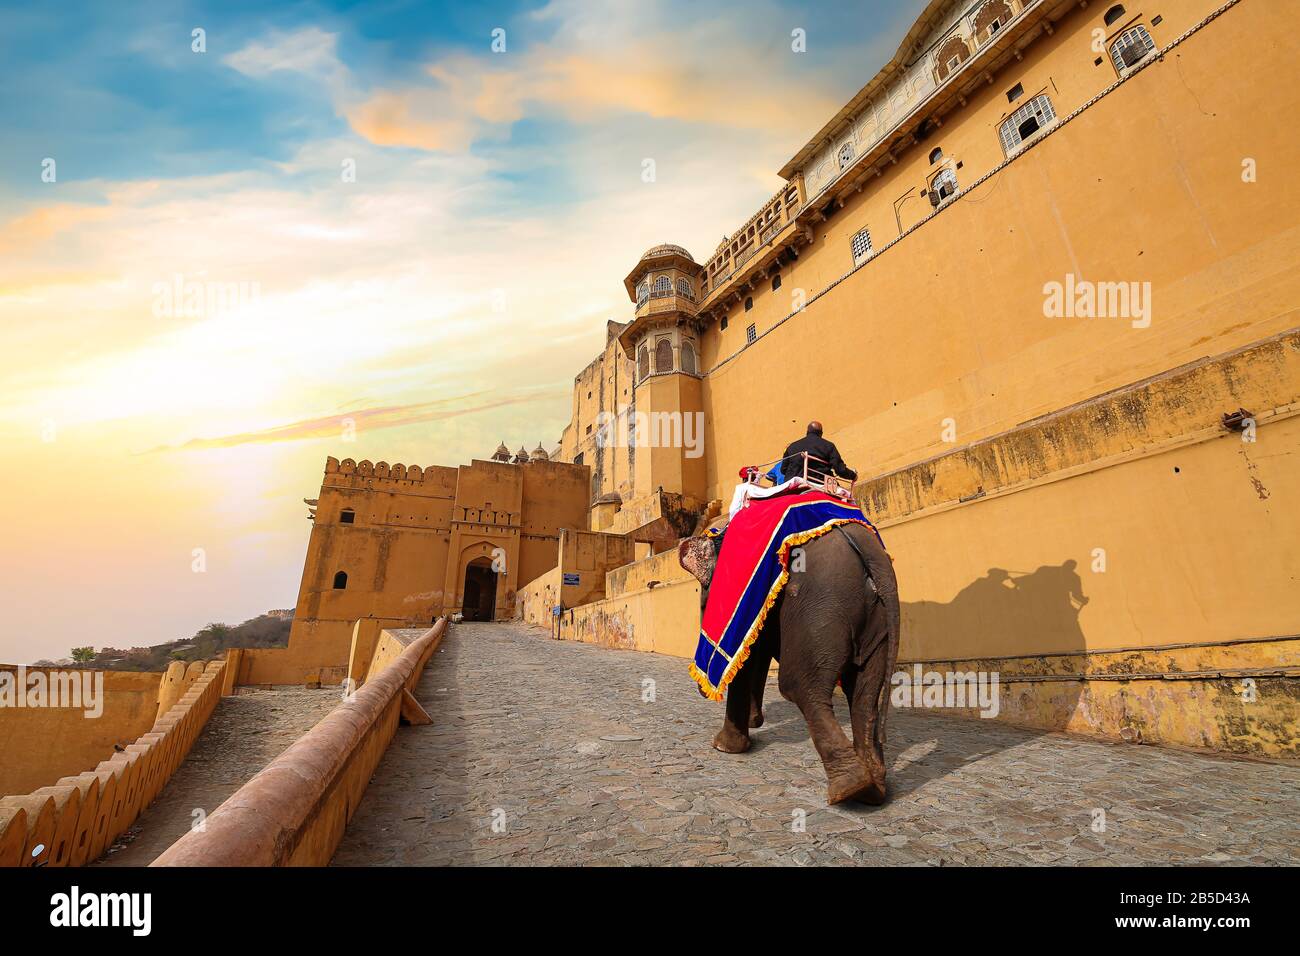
x: 72, y: 822
x: 294, y: 812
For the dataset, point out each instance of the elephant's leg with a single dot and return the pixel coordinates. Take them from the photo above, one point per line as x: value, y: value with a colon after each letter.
x: 760, y: 661
x: 863, y: 689
x: 733, y: 738
x: 846, y: 777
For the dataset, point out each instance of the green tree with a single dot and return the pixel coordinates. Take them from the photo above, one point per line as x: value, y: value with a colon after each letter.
x: 83, y: 655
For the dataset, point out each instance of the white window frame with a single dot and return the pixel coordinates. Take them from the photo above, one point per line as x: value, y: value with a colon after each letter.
x: 946, y: 176
x: 1135, y: 36
x: 1039, y: 106
x: 860, y: 246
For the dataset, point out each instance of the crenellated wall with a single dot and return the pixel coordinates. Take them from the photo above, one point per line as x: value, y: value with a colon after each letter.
x: 75, y: 819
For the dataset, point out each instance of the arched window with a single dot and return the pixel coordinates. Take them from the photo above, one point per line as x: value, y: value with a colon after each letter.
x: 1114, y: 13
x: 684, y: 289
x: 936, y: 154
x: 861, y: 247
x: 663, y: 356
x: 991, y: 18
x: 951, y: 55
x: 749, y: 302
x: 341, y: 581
x: 642, y: 363
x: 1025, y: 123
x: 642, y: 292
x: 347, y: 516
x: 663, y: 287
x: 1133, y: 46
x: 688, y: 358
x: 943, y: 187
x: 776, y: 282
x: 846, y: 155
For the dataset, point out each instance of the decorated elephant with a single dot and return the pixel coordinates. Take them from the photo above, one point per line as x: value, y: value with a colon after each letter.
x: 835, y: 620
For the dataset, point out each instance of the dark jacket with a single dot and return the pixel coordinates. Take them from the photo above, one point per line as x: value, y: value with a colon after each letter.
x: 818, y: 447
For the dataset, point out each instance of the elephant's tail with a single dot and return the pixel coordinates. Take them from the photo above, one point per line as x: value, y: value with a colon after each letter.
x: 883, y: 613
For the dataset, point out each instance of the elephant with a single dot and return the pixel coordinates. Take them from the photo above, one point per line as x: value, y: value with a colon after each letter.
x: 837, y: 619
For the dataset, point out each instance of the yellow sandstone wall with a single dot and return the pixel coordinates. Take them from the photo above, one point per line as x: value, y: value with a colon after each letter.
x: 1061, y: 498
x: 41, y: 744
x: 74, y: 819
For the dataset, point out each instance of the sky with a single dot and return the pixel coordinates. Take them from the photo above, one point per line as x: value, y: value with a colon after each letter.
x: 387, y: 230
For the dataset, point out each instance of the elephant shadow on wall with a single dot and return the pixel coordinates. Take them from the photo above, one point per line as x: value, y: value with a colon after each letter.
x: 1022, y: 626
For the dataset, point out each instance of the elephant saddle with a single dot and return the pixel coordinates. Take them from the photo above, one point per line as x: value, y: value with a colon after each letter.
x: 751, y: 571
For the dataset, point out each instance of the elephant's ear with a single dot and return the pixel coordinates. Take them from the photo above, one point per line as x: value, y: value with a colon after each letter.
x: 697, y: 555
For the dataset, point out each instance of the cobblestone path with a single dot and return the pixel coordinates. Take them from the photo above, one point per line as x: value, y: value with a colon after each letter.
x: 543, y: 752
x: 244, y: 734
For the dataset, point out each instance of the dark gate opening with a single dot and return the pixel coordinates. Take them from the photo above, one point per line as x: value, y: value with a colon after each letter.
x: 480, y: 591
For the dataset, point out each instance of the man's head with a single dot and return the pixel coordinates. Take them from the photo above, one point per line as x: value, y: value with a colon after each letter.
x: 815, y: 428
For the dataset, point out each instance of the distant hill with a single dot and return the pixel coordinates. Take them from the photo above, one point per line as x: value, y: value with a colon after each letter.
x: 265, y: 630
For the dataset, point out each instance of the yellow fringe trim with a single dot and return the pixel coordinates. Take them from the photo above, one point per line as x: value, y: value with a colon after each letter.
x: 742, y: 655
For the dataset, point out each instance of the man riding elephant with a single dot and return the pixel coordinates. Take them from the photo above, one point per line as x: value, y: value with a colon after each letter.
x: 835, y: 620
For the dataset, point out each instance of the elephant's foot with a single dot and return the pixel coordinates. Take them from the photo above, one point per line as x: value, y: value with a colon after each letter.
x: 731, y: 741
x: 854, y: 783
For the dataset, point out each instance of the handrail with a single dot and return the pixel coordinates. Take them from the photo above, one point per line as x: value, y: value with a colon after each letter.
x: 295, y: 811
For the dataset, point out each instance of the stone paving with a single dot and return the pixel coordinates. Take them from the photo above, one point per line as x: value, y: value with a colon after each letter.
x: 244, y: 734
x: 544, y: 752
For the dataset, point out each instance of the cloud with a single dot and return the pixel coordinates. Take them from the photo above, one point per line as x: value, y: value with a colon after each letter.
x: 370, y: 419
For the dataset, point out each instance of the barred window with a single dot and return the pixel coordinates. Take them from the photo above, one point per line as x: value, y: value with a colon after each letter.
x: 1133, y: 46
x: 1025, y: 122
x: 642, y: 364
x: 663, y: 287
x: 663, y: 356
x: 688, y: 358
x: 642, y: 292
x: 684, y: 289
x: 751, y: 335
x: 861, y: 247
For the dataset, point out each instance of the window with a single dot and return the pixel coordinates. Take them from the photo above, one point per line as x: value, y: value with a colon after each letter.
x: 846, y: 155
x: 347, y: 516
x: 341, y: 581
x: 954, y: 62
x: 1026, y: 122
x: 776, y: 282
x: 663, y: 356
x: 990, y: 19
x: 1015, y: 92
x: 943, y: 187
x: 749, y: 302
x: 642, y: 363
x: 684, y: 289
x: 1133, y: 46
x: 861, y: 247
x: 751, y: 335
x: 688, y: 358
x: 577, y: 459
x: 642, y: 292
x: 936, y: 154
x: 1114, y: 13
x: 723, y: 324
x: 663, y: 287
x: 588, y: 429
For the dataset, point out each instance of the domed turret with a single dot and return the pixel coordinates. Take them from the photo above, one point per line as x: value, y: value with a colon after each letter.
x: 502, y: 453
x: 539, y: 453
x: 521, y: 456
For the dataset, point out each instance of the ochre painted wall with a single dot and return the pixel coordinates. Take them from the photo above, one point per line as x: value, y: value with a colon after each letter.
x: 38, y: 745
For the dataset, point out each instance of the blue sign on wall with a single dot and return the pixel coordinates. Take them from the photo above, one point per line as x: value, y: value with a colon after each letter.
x: 570, y: 579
